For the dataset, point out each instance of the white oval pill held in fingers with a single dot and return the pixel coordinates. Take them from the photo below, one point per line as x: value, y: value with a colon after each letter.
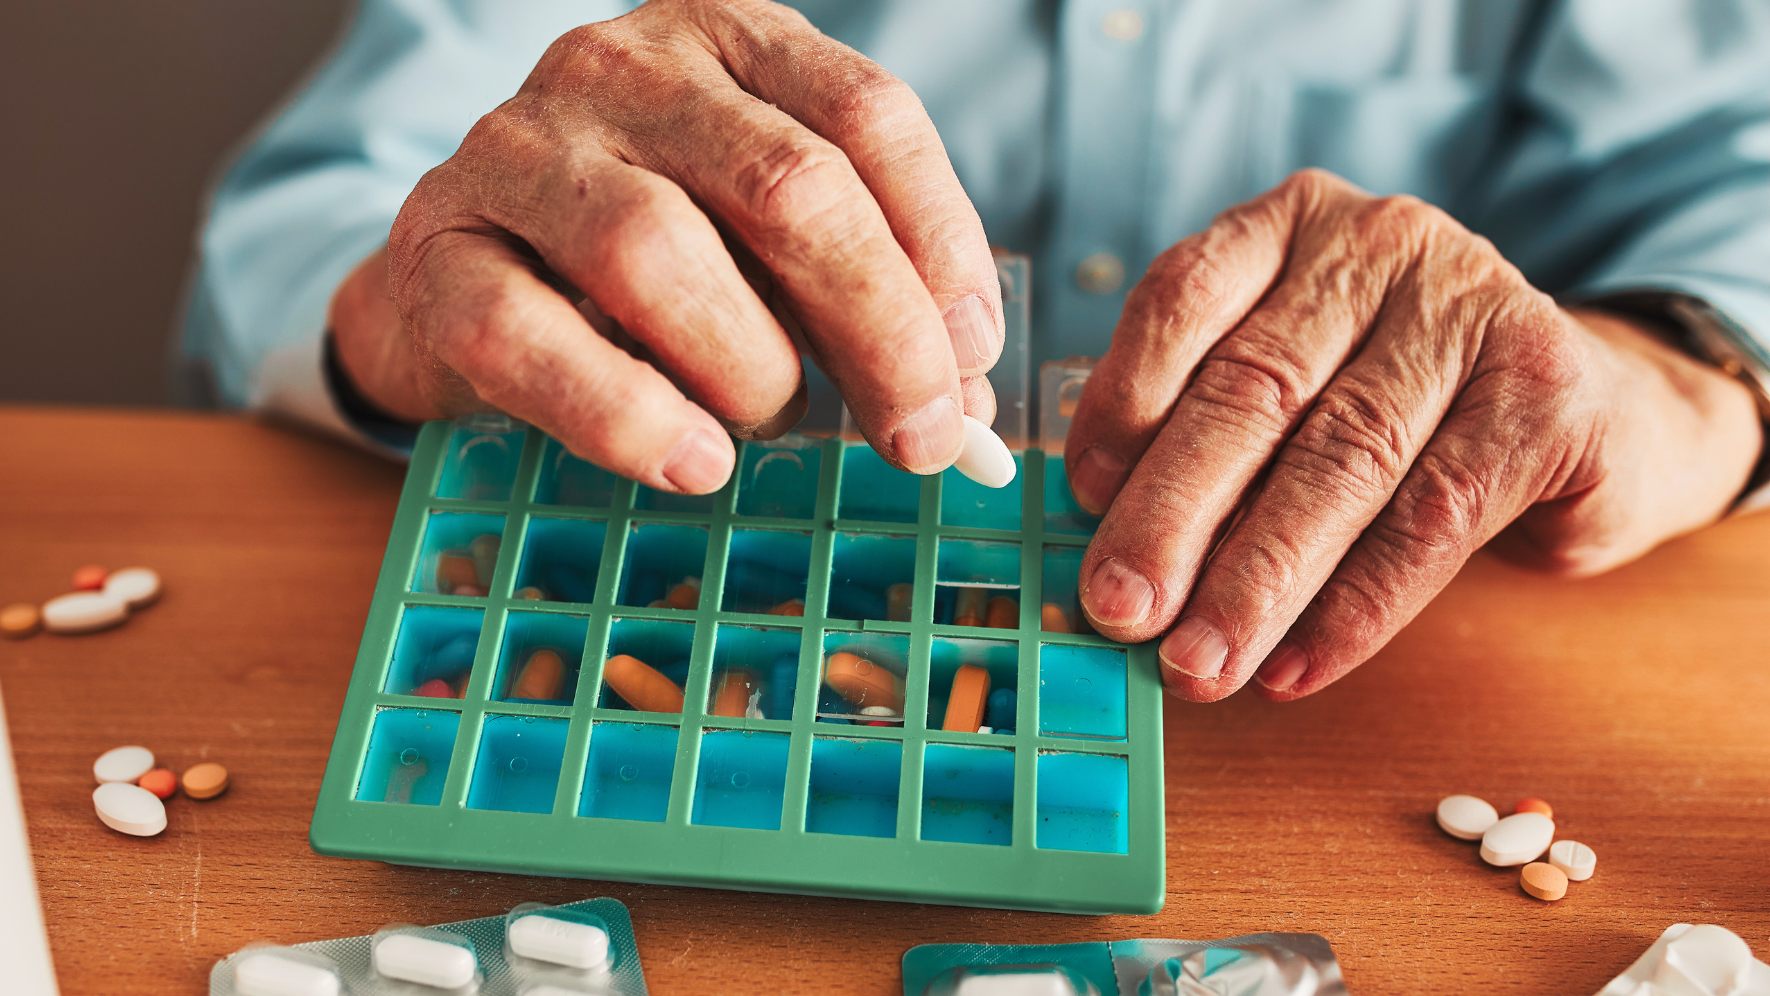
x: 272, y: 974
x: 122, y: 764
x: 985, y: 458
x: 1518, y: 839
x: 136, y: 586
x: 129, y: 809
x: 1574, y: 858
x: 83, y: 612
x: 1466, y: 817
x: 562, y: 942
x: 411, y: 958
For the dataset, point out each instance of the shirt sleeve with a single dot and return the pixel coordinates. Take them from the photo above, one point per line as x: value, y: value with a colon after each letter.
x: 318, y: 188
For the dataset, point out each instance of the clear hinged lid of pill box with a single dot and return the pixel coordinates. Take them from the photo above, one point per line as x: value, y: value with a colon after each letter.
x: 457, y: 749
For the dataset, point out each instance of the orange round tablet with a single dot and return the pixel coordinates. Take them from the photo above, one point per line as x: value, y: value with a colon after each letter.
x: 1544, y: 881
x: 19, y: 621
x: 90, y: 578
x: 205, y: 781
x: 160, y: 781
x: 1534, y: 806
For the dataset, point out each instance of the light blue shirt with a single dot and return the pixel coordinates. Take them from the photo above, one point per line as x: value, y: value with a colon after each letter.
x: 1603, y: 145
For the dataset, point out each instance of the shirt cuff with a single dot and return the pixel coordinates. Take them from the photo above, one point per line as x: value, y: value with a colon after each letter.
x: 293, y: 382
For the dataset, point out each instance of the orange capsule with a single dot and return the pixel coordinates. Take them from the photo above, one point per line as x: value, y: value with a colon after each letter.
x: 686, y: 595
x: 160, y: 781
x: 790, y: 607
x: 455, y: 570
x: 965, y: 703
x: 970, y: 607
x: 1004, y: 613
x: 1534, y: 806
x: 90, y: 578
x: 435, y: 688
x: 542, y: 676
x: 862, y: 682
x: 1053, y: 619
x: 736, y: 687
x: 644, y: 688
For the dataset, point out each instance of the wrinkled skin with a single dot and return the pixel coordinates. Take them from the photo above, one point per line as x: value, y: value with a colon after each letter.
x: 1314, y: 411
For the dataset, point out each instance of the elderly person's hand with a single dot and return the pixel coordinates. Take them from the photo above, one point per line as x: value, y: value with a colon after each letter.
x: 617, y: 252
x: 1314, y: 411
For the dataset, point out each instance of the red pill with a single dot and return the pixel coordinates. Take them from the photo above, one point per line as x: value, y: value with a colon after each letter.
x: 90, y: 578
x: 435, y: 688
x: 160, y: 781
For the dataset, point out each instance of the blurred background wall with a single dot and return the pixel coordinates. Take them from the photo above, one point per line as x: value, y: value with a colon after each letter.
x: 114, y: 117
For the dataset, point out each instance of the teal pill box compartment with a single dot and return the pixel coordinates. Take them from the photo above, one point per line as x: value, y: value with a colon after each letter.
x: 1063, y: 813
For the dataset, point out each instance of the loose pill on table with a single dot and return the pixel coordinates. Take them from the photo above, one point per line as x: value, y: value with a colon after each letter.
x: 737, y: 688
x: 204, y: 781
x: 122, y: 764
x: 160, y: 781
x: 686, y: 595
x: 1576, y: 860
x: 19, y: 621
x: 1466, y: 817
x: 1534, y: 806
x: 542, y: 676
x: 1517, y: 839
x: 790, y: 607
x: 984, y: 457
x: 641, y: 685
x: 129, y: 809
x: 966, y: 702
x: 1052, y: 619
x: 561, y: 942
x: 435, y: 688
x: 83, y: 612
x: 862, y: 682
x: 424, y: 960
x: 267, y: 973
x: 1543, y: 881
x: 90, y: 577
x: 970, y: 606
x: 1003, y: 613
x: 138, y: 587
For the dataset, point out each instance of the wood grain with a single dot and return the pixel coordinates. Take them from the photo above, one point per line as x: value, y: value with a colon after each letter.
x: 1637, y: 703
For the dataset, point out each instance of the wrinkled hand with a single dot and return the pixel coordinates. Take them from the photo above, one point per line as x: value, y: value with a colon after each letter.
x: 1314, y: 411
x: 687, y: 181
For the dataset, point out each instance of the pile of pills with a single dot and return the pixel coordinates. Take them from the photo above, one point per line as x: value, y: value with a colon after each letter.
x: 1520, y: 839
x: 101, y: 599
x: 131, y: 792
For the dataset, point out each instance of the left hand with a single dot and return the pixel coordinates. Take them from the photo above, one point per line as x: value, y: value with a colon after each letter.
x: 1315, y: 410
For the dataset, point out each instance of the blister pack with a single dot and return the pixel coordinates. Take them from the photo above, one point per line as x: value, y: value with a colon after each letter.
x: 578, y: 949
x: 1251, y: 965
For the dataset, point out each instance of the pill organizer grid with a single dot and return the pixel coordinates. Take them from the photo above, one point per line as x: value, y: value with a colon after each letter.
x: 1064, y: 812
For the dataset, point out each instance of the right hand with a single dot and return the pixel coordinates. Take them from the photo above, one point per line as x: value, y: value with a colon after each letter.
x: 682, y: 180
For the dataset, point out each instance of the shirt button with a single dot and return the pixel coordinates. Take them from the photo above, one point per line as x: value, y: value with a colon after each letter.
x: 1101, y: 273
x: 1122, y: 25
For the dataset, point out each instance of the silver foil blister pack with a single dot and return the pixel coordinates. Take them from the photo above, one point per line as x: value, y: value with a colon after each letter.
x: 1270, y: 964
x: 579, y: 949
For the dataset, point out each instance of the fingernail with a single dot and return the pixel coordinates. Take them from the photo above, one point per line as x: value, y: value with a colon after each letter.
x: 930, y: 439
x: 973, y: 332
x: 1283, y: 667
x: 1097, y: 478
x: 1195, y: 648
x: 698, y: 465
x: 1118, y: 594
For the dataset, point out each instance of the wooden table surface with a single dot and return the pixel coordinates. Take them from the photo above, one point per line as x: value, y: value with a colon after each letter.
x: 1637, y: 703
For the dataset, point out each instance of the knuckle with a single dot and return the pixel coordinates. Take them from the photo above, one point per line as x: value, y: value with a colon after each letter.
x: 1438, y: 518
x: 800, y: 177
x: 1247, y: 393
x: 1355, y: 608
x: 872, y: 104
x: 1352, y: 443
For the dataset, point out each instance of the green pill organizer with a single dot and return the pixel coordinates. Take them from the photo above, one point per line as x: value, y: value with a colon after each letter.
x: 1059, y: 807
